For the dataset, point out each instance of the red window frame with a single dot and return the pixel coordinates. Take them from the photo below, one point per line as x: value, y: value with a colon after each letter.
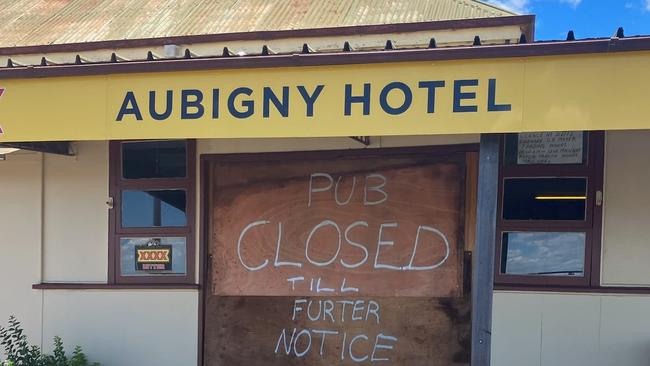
x: 592, y: 169
x: 116, y: 231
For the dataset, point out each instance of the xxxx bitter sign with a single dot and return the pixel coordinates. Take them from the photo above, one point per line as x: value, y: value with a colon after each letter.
x: 153, y: 258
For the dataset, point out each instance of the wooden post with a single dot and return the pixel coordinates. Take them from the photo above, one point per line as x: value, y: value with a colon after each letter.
x: 483, y: 278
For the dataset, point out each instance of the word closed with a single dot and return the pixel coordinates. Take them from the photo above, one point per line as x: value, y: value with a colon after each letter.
x: 374, y: 193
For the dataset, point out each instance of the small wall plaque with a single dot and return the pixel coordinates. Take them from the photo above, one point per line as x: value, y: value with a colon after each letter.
x: 550, y: 148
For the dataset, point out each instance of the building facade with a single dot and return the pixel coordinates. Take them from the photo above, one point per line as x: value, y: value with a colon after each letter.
x: 180, y: 193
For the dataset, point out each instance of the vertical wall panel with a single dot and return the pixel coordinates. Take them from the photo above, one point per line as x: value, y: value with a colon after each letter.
x: 76, y: 215
x: 553, y: 329
x: 626, y: 233
x: 570, y: 330
x: 20, y: 240
x: 625, y: 331
x: 121, y: 328
x: 516, y: 330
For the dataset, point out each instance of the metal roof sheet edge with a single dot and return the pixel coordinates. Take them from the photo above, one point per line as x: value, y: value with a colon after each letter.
x: 547, y: 48
x: 526, y: 21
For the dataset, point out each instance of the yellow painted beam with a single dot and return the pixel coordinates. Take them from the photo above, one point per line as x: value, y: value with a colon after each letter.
x: 551, y: 93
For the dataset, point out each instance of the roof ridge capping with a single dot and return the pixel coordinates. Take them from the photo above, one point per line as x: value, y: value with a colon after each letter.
x: 526, y: 22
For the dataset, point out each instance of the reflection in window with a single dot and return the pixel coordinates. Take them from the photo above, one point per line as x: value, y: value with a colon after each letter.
x: 128, y: 255
x: 544, y: 198
x: 543, y: 253
x: 155, y: 208
x: 154, y: 159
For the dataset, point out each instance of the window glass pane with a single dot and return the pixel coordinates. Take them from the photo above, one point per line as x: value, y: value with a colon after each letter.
x: 544, y: 198
x: 156, y: 208
x: 153, y: 256
x: 154, y: 159
x: 546, y: 148
x: 543, y: 253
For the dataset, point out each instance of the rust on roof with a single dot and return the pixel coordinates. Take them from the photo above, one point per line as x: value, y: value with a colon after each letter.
x: 53, y: 22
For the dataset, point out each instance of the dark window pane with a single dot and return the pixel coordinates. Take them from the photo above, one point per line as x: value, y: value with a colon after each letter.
x: 543, y: 253
x: 178, y: 258
x: 546, y: 148
x: 544, y: 198
x: 154, y: 159
x: 153, y: 208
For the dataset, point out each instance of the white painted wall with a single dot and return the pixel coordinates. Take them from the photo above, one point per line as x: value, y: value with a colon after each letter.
x: 56, y: 229
x: 20, y: 240
x: 76, y: 215
x: 549, y: 329
x: 122, y: 328
x: 626, y: 230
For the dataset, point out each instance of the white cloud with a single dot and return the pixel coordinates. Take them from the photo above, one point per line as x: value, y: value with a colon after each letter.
x: 573, y: 3
x: 647, y: 5
x: 524, y: 6
x: 517, y: 6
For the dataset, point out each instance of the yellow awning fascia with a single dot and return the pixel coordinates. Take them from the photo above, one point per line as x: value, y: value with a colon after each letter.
x: 557, y: 86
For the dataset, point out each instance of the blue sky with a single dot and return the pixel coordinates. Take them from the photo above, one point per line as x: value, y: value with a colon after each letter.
x: 587, y: 18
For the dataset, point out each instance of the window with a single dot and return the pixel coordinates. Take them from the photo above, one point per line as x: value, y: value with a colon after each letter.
x: 152, y: 238
x: 549, y: 205
x: 154, y: 208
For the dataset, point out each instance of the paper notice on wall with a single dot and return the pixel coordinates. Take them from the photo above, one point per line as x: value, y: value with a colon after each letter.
x: 550, y: 148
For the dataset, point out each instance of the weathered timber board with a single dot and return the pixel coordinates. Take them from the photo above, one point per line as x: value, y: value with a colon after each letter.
x: 405, y: 306
x: 247, y: 330
x: 272, y: 223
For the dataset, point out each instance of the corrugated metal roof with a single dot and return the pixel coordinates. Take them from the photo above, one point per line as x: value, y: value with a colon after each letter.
x: 44, y: 22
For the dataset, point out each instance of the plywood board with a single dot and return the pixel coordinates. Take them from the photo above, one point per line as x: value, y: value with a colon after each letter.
x: 265, y: 331
x: 328, y: 229
x: 337, y: 260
